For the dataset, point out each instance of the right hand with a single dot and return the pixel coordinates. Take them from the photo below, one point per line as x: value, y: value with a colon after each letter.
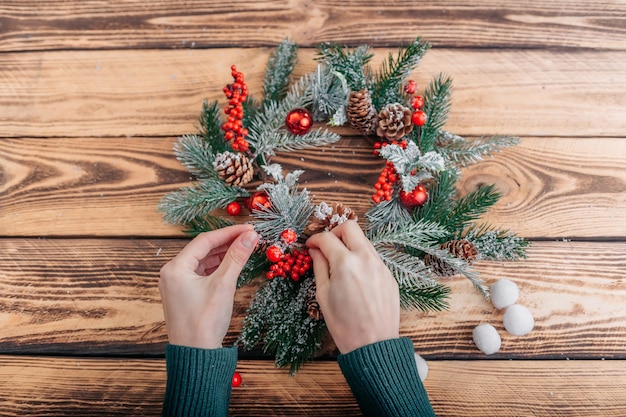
x: 357, y: 293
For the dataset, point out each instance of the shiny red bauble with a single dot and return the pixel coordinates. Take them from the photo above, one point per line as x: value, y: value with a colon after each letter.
x: 274, y: 254
x: 237, y: 379
x: 258, y: 198
x: 299, y: 121
x: 415, y: 198
x: 419, y: 118
x: 233, y: 208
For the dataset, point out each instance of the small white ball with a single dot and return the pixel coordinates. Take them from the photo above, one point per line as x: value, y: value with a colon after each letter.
x: 503, y: 293
x: 486, y: 338
x: 518, y: 320
x: 422, y: 367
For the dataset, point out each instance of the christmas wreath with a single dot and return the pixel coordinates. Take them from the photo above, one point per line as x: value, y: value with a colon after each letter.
x: 422, y: 229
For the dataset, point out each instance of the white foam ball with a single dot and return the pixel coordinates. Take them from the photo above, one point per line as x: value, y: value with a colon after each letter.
x: 422, y: 367
x: 486, y: 338
x: 518, y: 320
x: 503, y: 293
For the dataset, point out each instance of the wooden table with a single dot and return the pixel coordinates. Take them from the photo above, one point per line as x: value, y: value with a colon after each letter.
x: 94, y: 94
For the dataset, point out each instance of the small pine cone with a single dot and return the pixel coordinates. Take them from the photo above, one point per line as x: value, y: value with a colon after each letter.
x: 327, y: 217
x: 394, y: 122
x: 234, y: 168
x: 459, y: 248
x: 311, y: 304
x: 361, y: 112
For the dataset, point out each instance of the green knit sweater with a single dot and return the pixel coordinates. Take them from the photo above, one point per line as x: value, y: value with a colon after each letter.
x: 383, y: 377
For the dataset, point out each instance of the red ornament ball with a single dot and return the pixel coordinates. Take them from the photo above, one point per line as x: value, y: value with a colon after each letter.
x: 288, y: 236
x: 410, y: 87
x: 274, y: 254
x: 419, y: 118
x: 415, y: 198
x: 417, y: 102
x: 237, y: 379
x: 233, y: 208
x: 258, y: 198
x: 299, y: 121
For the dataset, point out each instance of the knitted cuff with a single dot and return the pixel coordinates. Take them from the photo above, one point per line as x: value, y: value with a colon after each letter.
x: 384, y: 380
x: 199, y: 381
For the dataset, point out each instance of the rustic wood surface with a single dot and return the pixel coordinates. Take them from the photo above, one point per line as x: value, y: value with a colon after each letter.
x: 94, y: 94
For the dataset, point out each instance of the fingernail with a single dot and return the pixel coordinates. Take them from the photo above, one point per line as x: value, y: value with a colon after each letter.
x: 249, y: 239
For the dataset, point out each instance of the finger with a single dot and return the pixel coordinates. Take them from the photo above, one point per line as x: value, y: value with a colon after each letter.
x: 236, y: 258
x: 353, y: 237
x: 329, y: 244
x: 321, y: 270
x: 204, y: 243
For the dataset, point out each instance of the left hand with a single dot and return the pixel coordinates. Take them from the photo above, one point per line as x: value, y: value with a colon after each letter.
x: 198, y: 286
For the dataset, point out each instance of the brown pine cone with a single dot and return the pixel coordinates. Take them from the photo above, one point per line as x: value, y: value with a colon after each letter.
x: 234, y: 168
x: 459, y: 248
x: 311, y: 304
x: 327, y: 217
x: 394, y: 122
x: 361, y: 112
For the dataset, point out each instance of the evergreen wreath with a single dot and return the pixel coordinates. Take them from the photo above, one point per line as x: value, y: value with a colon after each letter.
x: 421, y: 228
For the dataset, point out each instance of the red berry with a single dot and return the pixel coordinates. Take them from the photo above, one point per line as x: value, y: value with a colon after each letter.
x: 288, y: 236
x: 410, y: 87
x: 274, y: 253
x: 233, y: 208
x: 258, y: 198
x: 237, y: 379
x: 417, y: 102
x: 418, y: 118
x: 415, y: 198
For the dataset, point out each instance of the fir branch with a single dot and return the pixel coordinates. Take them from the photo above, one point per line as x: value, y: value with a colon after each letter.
x: 388, y: 85
x: 328, y: 94
x: 352, y: 64
x: 440, y: 198
x: 385, y: 213
x: 196, y: 155
x: 211, y: 127
x: 278, y: 71
x: 407, y: 269
x: 197, y: 201
x: 463, y: 152
x: 459, y: 266
x: 206, y: 224
x: 415, y: 235
x: 496, y: 244
x: 437, y: 101
x: 425, y: 298
x: 471, y: 207
x: 257, y: 264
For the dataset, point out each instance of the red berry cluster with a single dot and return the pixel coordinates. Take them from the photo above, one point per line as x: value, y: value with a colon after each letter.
x: 293, y: 265
x: 236, y: 93
x: 418, y: 118
x: 388, y: 177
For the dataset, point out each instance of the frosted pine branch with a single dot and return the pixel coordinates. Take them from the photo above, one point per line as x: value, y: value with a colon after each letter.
x: 463, y: 152
x: 196, y: 155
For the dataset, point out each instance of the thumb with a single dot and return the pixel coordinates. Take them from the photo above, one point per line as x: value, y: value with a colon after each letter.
x: 237, y: 255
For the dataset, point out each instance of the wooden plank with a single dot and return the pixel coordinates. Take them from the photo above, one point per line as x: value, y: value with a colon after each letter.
x: 552, y: 187
x: 98, y: 387
x: 100, y: 297
x: 31, y: 25
x: 157, y: 93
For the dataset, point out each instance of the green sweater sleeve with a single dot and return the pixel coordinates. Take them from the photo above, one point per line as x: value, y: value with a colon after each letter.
x: 199, y: 381
x: 383, y: 377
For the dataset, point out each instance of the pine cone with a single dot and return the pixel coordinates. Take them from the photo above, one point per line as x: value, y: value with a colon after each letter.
x: 311, y: 304
x: 394, y: 122
x: 328, y: 217
x: 361, y: 111
x: 460, y: 248
x: 234, y: 168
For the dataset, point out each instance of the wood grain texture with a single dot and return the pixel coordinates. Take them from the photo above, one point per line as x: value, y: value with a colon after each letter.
x: 159, y: 93
x: 100, y: 297
x: 109, y: 387
x: 31, y: 25
x: 552, y: 187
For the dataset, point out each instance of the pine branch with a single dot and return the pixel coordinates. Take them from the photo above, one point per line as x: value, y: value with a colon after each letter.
x: 351, y: 63
x: 459, y: 266
x: 425, y: 298
x: 385, y: 213
x: 257, y: 264
x: 211, y: 127
x: 495, y: 244
x: 206, y: 224
x: 388, y: 85
x: 471, y: 207
x: 408, y: 270
x: 197, y: 201
x: 437, y: 102
x: 196, y: 155
x: 463, y: 152
x: 278, y: 71
x: 440, y: 198
x: 328, y: 94
x: 418, y: 236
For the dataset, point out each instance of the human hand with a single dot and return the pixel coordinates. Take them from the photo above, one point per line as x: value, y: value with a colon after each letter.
x: 356, y: 291
x: 198, y: 286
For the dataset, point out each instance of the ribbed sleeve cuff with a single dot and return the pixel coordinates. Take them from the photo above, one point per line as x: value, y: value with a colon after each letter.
x: 199, y: 381
x: 384, y: 380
